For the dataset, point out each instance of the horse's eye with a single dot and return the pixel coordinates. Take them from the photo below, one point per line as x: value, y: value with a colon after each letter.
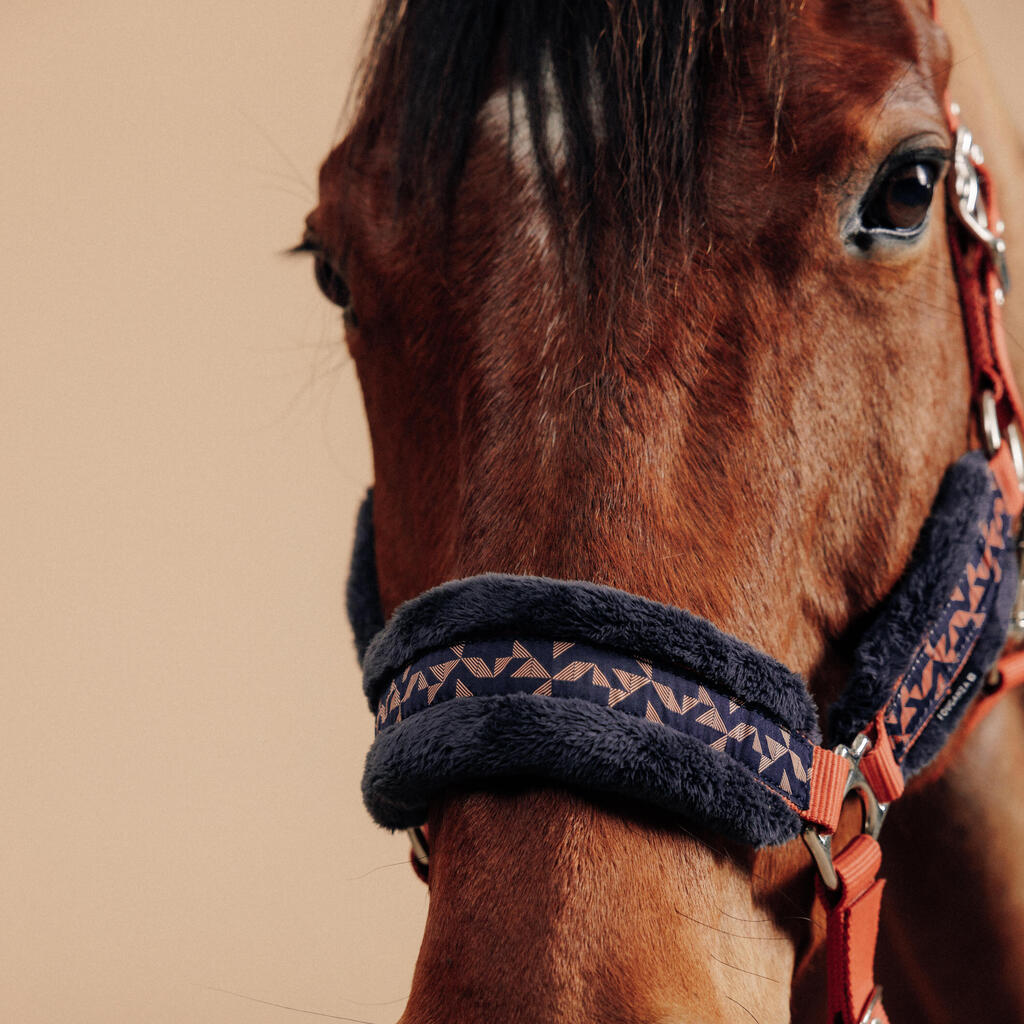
x: 331, y: 283
x: 901, y: 201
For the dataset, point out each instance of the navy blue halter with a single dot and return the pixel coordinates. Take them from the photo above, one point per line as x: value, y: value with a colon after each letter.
x: 506, y: 677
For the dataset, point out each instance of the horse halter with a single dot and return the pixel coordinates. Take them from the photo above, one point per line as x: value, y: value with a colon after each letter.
x: 498, y: 677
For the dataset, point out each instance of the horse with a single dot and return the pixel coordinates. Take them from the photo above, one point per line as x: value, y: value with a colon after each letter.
x: 657, y: 295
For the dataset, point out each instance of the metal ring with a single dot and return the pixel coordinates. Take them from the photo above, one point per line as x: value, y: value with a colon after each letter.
x: 420, y: 849
x: 990, y: 423
x: 968, y: 202
x: 1016, y: 452
x: 868, y: 1017
x: 873, y: 809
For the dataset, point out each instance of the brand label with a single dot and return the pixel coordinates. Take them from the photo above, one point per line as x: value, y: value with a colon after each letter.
x: 964, y: 687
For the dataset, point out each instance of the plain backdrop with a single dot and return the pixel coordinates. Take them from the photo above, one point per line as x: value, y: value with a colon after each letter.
x: 182, y: 449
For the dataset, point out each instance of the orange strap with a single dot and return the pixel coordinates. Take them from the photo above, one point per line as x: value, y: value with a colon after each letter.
x: 981, y: 296
x: 1005, y: 473
x: 852, y: 932
x: 829, y: 773
x: 884, y: 775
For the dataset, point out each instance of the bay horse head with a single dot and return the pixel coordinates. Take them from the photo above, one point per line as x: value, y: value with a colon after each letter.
x: 656, y: 296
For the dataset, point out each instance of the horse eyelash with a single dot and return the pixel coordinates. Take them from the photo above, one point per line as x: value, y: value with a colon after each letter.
x: 310, y: 244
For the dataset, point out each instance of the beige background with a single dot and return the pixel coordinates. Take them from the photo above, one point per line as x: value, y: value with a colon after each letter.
x: 181, y: 730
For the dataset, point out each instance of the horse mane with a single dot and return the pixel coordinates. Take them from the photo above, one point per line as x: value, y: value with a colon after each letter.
x: 630, y: 81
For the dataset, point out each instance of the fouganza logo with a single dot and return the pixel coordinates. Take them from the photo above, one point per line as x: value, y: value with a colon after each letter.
x: 965, y: 686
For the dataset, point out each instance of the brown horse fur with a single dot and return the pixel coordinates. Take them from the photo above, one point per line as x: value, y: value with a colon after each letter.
x: 750, y: 422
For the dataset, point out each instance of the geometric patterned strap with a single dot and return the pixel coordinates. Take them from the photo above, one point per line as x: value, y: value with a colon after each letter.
x: 931, y: 685
x: 811, y: 781
x: 780, y: 759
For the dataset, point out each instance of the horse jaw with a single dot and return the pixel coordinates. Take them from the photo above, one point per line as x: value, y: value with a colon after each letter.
x: 591, y: 919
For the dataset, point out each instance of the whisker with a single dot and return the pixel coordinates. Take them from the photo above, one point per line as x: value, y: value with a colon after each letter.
x: 379, y: 867
x: 295, y: 174
x: 1012, y: 339
x: 734, y: 935
x: 309, y: 244
x: 725, y: 963
x: 285, y: 1006
x: 282, y: 189
x: 745, y: 920
x: 745, y: 1010
x: 387, y: 1002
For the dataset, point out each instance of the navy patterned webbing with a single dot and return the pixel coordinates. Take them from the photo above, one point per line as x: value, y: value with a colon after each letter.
x: 927, y: 686
x: 553, y: 670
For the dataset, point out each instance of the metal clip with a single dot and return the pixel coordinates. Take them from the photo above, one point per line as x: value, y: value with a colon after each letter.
x: 820, y: 844
x: 969, y: 203
x: 868, y: 1016
x: 1016, y: 452
x: 1015, y: 632
x: 420, y: 849
x: 990, y: 431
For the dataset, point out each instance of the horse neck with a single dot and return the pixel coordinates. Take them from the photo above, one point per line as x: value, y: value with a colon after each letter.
x: 545, y: 907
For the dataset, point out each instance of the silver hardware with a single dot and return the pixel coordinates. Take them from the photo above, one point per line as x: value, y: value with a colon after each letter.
x: 868, y: 1016
x: 1015, y: 632
x: 968, y: 202
x: 420, y: 849
x: 990, y: 424
x: 819, y: 844
x: 993, y: 680
x: 1000, y: 297
x: 1016, y: 452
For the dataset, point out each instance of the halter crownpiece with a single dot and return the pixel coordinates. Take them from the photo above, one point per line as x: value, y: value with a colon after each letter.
x: 506, y: 677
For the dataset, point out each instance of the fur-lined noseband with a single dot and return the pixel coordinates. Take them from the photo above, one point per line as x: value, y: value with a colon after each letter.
x: 508, y: 677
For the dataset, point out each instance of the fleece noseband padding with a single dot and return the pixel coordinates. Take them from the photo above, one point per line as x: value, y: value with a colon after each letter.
x: 505, y: 677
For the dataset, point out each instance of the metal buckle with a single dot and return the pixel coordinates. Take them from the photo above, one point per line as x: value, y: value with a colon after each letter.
x: 993, y: 435
x: 969, y: 203
x: 1015, y: 632
x: 868, y: 1017
x: 993, y: 439
x: 990, y: 431
x: 819, y: 844
x: 1016, y: 452
x: 420, y: 850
